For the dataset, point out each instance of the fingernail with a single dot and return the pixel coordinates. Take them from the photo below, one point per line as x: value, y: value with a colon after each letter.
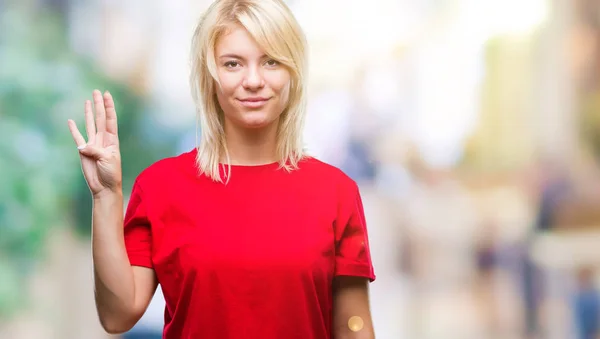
x: 81, y: 147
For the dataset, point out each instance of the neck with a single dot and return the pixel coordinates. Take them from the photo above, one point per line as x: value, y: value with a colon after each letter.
x: 251, y: 146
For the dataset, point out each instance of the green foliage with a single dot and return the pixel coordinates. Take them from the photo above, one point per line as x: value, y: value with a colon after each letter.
x: 590, y: 121
x: 41, y: 186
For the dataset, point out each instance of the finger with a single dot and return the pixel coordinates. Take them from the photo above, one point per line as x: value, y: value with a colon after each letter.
x: 100, y: 117
x: 111, y: 113
x: 90, y: 126
x: 92, y: 151
x: 77, y: 137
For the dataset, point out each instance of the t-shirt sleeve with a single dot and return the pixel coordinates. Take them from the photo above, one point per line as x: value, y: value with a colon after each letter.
x: 352, y: 253
x: 137, y: 231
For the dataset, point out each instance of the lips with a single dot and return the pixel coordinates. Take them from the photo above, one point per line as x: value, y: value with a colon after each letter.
x: 253, y: 102
x: 254, y: 99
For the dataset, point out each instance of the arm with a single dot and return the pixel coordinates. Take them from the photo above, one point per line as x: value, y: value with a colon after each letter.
x: 122, y: 291
x: 351, y: 313
x: 353, y: 270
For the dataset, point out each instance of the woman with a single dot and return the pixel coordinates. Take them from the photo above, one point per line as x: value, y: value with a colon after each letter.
x: 247, y: 235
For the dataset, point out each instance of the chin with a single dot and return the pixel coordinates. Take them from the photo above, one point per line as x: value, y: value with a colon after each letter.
x: 256, y: 124
x: 256, y: 121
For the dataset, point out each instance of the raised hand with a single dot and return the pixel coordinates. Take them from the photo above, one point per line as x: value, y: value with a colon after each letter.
x: 100, y: 155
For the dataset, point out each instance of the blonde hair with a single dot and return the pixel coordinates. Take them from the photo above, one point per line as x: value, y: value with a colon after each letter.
x: 273, y: 26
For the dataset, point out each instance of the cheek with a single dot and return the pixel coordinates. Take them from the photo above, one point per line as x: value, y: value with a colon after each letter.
x: 285, y: 94
x: 282, y: 85
x: 229, y: 84
x: 224, y: 96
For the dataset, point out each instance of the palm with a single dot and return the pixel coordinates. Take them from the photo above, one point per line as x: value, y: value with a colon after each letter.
x: 100, y: 156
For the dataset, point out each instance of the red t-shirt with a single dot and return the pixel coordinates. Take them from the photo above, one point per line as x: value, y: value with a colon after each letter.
x: 251, y: 259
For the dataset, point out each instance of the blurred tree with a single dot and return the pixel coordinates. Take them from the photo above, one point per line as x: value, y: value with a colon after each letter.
x: 590, y: 122
x: 586, y: 37
x: 503, y: 140
x: 43, y: 84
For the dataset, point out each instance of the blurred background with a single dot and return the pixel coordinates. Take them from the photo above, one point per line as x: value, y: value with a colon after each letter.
x: 471, y: 126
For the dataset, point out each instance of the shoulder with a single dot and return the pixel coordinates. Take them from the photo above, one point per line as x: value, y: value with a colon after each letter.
x: 168, y: 169
x: 323, y: 172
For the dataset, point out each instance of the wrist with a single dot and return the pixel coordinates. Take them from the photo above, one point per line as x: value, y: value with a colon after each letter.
x: 108, y: 194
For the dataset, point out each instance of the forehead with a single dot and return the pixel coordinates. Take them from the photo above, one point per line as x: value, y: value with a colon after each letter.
x: 236, y: 40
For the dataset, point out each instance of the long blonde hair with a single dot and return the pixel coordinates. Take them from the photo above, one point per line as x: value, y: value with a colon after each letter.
x: 273, y: 26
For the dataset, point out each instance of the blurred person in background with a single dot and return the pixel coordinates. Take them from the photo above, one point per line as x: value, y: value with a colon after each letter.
x: 554, y: 188
x: 487, y: 266
x: 587, y: 305
x: 246, y: 234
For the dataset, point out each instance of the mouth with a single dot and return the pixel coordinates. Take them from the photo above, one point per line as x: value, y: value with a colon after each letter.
x: 253, y: 102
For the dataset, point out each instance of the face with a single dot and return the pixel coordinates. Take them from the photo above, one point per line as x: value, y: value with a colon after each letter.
x: 254, y: 88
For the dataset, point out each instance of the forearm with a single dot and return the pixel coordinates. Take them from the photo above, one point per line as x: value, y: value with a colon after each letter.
x: 354, y: 329
x: 355, y: 335
x: 351, y: 312
x: 113, y: 274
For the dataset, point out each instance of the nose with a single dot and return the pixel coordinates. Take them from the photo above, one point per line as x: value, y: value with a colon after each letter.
x: 253, y: 79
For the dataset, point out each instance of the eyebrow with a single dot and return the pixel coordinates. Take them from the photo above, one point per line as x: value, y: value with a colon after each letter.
x: 235, y: 56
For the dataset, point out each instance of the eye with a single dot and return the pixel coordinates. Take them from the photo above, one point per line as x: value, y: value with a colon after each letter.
x: 231, y: 64
x: 272, y: 63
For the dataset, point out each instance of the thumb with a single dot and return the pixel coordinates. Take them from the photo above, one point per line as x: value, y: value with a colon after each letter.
x: 91, y: 151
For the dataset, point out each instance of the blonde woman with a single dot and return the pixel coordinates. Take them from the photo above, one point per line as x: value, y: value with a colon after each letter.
x: 247, y: 235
